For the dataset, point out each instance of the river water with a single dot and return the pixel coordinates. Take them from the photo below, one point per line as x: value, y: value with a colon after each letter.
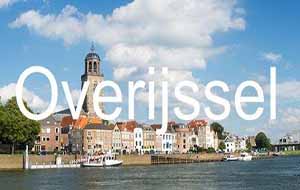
x: 277, y: 173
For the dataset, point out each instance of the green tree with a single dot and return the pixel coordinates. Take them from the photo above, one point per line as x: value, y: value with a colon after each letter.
x: 249, y: 146
x: 15, y: 128
x: 262, y: 141
x: 2, y: 119
x: 218, y: 128
x: 210, y: 150
x: 222, y: 146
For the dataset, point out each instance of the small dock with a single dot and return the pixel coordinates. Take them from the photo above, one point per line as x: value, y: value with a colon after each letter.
x: 51, y: 166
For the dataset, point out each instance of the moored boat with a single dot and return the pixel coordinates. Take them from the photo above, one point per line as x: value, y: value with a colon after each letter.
x: 230, y: 158
x: 245, y: 157
x: 107, y: 160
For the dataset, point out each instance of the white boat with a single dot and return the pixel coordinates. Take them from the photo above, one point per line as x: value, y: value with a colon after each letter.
x: 231, y: 158
x: 245, y: 157
x: 107, y: 160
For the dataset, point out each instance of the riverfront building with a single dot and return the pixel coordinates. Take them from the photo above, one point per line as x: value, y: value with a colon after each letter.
x: 97, y: 138
x: 49, y: 138
x: 127, y: 136
x: 90, y: 134
x: 183, y: 140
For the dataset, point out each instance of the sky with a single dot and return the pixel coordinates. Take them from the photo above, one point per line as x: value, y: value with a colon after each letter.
x: 198, y: 40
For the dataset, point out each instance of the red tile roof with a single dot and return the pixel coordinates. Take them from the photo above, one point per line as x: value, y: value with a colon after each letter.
x: 127, y: 126
x: 79, y: 123
x: 197, y: 123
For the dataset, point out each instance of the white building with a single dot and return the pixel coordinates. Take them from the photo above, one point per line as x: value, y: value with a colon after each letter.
x: 168, y: 141
x: 207, y: 138
x: 229, y: 144
x: 240, y: 143
x: 138, y: 139
x: 287, y: 139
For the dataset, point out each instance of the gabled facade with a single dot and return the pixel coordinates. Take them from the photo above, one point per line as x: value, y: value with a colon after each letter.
x: 138, y: 139
x: 127, y: 136
x: 116, y: 139
x: 49, y: 138
x: 183, y: 141
x: 168, y: 141
x: 97, y: 138
x: 230, y: 144
x: 148, y: 139
x: 207, y: 138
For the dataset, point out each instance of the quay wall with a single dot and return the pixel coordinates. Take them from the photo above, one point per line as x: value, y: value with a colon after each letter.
x: 135, y: 159
x: 49, y: 159
x: 16, y: 161
x: 11, y: 161
x: 8, y: 161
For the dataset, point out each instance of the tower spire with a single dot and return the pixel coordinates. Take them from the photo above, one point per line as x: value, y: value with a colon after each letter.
x: 93, y: 47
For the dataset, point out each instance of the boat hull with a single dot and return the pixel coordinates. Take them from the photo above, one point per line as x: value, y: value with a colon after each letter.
x: 109, y: 164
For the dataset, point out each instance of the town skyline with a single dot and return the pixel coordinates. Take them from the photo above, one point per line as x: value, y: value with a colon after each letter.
x: 224, y: 53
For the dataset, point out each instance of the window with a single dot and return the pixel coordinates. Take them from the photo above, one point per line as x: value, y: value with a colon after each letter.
x: 90, y: 66
x: 48, y: 139
x: 56, y: 138
x: 95, y: 67
x: 56, y: 130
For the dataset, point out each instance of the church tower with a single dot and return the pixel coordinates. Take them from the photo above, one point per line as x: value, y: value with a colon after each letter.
x: 92, y: 74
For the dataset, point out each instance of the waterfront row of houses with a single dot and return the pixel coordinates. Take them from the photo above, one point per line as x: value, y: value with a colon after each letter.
x: 93, y: 136
x: 237, y: 144
x: 89, y: 134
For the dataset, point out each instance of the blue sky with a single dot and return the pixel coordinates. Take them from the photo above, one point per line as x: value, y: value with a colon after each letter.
x: 258, y: 35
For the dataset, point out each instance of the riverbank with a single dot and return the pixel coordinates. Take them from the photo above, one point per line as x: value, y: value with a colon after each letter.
x: 291, y: 153
x: 16, y: 161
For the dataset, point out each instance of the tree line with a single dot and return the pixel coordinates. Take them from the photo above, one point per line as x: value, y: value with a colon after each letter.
x: 16, y: 130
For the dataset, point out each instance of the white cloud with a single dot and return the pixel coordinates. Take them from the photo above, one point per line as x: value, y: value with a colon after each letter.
x: 173, y: 33
x: 287, y: 90
x: 34, y: 101
x: 65, y: 25
x: 173, y: 77
x: 177, y: 34
x: 75, y: 93
x: 6, y: 3
x: 291, y: 116
x: 124, y: 72
x: 272, y: 57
